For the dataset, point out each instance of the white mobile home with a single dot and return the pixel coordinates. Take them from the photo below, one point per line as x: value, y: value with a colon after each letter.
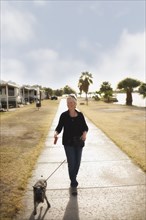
x: 30, y: 94
x: 9, y: 95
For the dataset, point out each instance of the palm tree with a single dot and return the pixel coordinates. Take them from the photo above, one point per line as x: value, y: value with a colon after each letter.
x: 128, y: 84
x: 107, y: 90
x: 84, y: 83
x: 142, y: 90
x: 80, y: 86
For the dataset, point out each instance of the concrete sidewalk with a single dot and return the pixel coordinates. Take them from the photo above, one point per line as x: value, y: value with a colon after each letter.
x: 110, y: 187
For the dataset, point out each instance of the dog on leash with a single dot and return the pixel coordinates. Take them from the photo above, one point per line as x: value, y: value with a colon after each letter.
x: 39, y: 193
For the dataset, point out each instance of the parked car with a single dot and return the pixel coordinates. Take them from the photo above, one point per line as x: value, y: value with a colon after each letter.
x: 54, y: 97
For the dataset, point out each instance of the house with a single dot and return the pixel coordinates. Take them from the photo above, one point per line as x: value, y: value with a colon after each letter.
x: 30, y: 94
x: 9, y: 95
x: 12, y: 95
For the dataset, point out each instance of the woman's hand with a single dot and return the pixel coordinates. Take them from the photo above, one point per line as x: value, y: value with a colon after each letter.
x: 55, y: 134
x: 55, y: 137
x: 83, y: 137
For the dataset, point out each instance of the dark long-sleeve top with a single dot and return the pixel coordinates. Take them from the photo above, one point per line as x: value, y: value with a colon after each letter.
x: 72, y: 126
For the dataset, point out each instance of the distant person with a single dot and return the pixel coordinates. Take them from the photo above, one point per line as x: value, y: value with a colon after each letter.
x: 74, y: 135
x: 38, y: 104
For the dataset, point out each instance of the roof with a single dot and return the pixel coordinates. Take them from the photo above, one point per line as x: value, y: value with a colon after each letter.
x: 9, y: 83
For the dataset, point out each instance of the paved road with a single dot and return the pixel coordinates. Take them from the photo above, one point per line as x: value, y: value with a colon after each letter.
x: 111, y: 187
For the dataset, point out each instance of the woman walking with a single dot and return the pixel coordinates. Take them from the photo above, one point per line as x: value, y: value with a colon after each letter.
x: 74, y: 135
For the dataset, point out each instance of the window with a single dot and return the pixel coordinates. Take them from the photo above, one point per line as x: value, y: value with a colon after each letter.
x: 10, y: 91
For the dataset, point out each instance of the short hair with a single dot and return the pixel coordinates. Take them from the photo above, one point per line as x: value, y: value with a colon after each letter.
x: 72, y: 96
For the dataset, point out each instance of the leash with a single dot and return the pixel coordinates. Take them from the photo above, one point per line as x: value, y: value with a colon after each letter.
x: 55, y: 170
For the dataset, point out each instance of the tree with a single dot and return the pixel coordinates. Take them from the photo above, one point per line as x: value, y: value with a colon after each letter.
x: 84, y: 82
x: 58, y: 92
x: 80, y: 85
x: 107, y: 90
x: 128, y: 85
x: 68, y: 90
x: 142, y: 90
x: 48, y: 92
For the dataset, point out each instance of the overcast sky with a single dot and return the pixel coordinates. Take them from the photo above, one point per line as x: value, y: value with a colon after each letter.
x: 51, y: 42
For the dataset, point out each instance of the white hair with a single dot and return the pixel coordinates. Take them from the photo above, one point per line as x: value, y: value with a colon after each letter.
x: 73, y: 96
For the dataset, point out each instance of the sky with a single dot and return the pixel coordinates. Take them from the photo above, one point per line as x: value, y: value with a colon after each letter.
x: 50, y: 43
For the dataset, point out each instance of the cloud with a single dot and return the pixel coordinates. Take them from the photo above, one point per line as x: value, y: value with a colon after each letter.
x: 43, y: 54
x: 13, y: 69
x: 96, y: 8
x: 122, y: 13
x: 45, y: 67
x: 48, y: 68
x: 88, y: 46
x: 90, y: 7
x: 16, y: 25
x: 51, y: 70
x: 40, y: 2
x: 126, y: 59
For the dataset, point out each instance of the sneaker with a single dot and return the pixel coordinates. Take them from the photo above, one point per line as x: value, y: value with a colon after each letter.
x: 74, y: 191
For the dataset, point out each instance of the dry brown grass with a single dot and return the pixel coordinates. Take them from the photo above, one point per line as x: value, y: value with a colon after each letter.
x: 126, y: 126
x: 23, y: 133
